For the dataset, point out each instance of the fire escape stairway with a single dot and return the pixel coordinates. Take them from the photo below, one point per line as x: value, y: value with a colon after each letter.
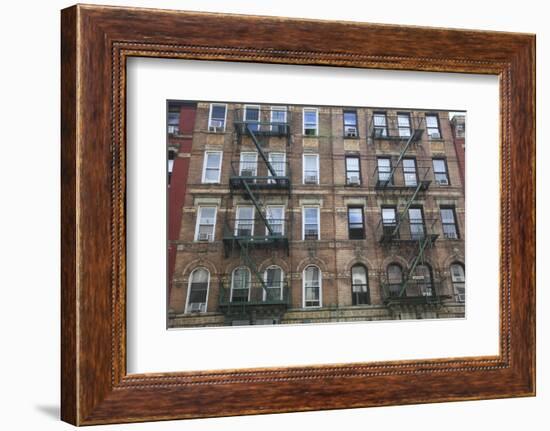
x: 248, y: 185
x: 426, y: 239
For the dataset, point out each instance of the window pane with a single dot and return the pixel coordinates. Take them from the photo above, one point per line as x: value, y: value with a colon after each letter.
x: 457, y: 273
x: 388, y: 215
x: 431, y: 121
x: 310, y: 117
x: 310, y: 163
x: 439, y: 165
x: 207, y: 215
x: 355, y: 216
x: 395, y: 275
x: 403, y: 120
x: 350, y: 118
x: 218, y: 112
x: 213, y: 160
x: 359, y: 274
x: 379, y: 119
x: 447, y: 215
x: 352, y: 163
x: 252, y: 113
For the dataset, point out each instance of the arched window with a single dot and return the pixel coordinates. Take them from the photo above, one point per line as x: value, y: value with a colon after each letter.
x: 423, y: 281
x: 458, y: 278
x: 312, y: 287
x: 197, y: 292
x: 240, y: 285
x: 395, y: 278
x: 273, y: 277
x: 359, y: 285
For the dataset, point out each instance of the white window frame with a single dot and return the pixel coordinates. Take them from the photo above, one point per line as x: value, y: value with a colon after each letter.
x: 245, y: 108
x: 206, y: 153
x: 233, y: 282
x: 278, y: 109
x: 316, y: 121
x: 453, y: 282
x: 264, y: 295
x: 189, y: 290
x: 283, y: 208
x: 241, y: 162
x: 304, y: 167
x: 304, y: 288
x: 224, y: 117
x: 198, y: 221
x: 318, y: 208
x: 251, y: 207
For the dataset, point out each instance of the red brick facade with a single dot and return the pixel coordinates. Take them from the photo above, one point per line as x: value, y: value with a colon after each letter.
x: 334, y: 253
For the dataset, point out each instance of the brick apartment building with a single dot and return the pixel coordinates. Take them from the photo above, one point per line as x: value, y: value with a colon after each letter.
x: 309, y: 214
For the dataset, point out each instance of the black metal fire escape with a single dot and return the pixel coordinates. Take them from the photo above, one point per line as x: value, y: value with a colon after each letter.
x: 418, y: 234
x: 253, y: 180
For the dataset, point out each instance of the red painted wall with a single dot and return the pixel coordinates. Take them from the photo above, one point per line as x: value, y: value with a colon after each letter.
x: 178, y: 182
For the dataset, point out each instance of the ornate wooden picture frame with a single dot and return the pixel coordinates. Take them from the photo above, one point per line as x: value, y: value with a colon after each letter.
x: 96, y: 41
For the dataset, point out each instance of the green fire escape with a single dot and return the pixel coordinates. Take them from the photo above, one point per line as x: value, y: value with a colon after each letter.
x: 397, y: 228
x: 259, y: 171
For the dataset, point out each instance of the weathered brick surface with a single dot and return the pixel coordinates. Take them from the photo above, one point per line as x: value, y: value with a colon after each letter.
x: 334, y: 253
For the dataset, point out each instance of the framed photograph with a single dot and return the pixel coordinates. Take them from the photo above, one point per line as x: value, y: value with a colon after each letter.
x: 322, y: 214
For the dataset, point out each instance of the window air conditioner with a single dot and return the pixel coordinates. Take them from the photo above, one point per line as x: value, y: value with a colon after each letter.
x: 353, y: 180
x: 203, y: 236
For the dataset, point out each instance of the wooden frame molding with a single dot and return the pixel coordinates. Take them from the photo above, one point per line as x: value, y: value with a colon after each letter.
x: 96, y: 41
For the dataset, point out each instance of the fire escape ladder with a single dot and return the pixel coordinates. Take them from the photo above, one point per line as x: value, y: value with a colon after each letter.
x: 402, y: 154
x: 257, y: 204
x: 260, y: 150
x: 403, y: 213
x: 418, y: 259
x: 250, y: 263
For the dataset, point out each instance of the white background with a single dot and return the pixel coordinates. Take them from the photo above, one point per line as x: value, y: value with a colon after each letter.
x: 29, y: 228
x: 153, y: 349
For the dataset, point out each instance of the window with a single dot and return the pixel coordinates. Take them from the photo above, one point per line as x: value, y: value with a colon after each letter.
x: 311, y: 168
x: 416, y: 222
x: 404, y: 124
x: 359, y: 285
x: 460, y: 130
x: 197, y: 293
x: 423, y: 280
x: 356, y: 223
x: 248, y: 164
x: 244, y: 223
x: 409, y: 172
x: 458, y: 278
x: 353, y: 171
x: 278, y: 162
x: 206, y: 223
x: 384, y: 169
x: 240, y: 285
x: 172, y: 154
x: 273, y: 278
x: 449, y: 223
x: 252, y: 117
x: 311, y: 121
x: 311, y: 223
x: 350, y: 124
x: 212, y: 167
x: 174, y: 120
x: 432, y: 126
x: 440, y: 172
x: 312, y: 287
x: 279, y: 119
x: 275, y: 216
x: 395, y: 278
x: 380, y: 125
x: 216, y: 121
